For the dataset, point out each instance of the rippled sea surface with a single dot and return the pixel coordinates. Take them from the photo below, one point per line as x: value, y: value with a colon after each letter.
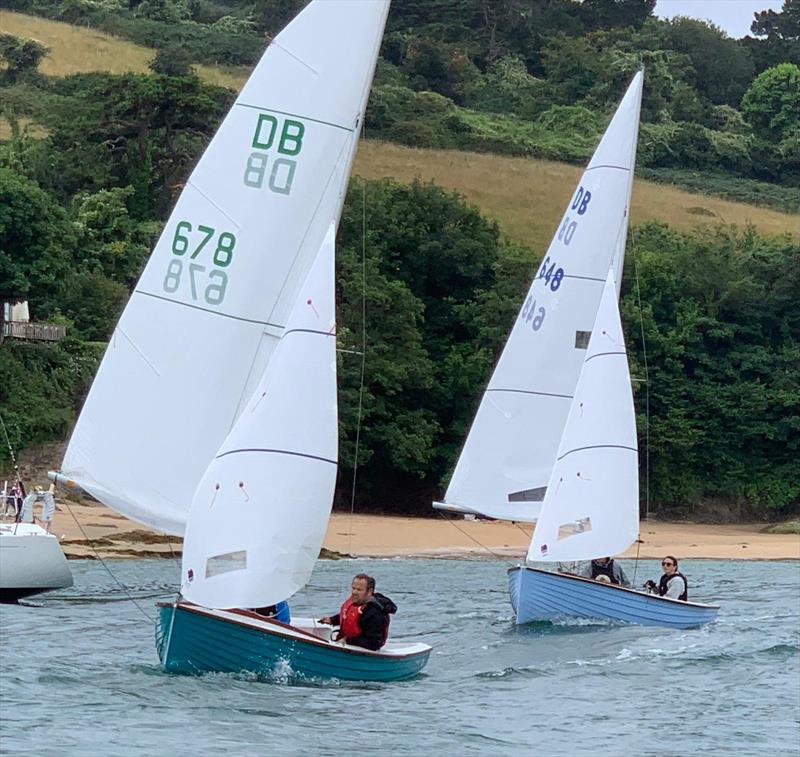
x: 79, y: 673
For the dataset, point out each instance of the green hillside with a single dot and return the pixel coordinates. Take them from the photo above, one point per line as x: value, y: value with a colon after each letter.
x: 100, y: 131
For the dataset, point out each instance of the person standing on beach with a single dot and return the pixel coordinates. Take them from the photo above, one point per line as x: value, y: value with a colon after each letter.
x: 673, y: 583
x: 363, y: 618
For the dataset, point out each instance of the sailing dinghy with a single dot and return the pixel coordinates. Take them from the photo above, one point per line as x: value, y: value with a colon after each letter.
x: 213, y: 414
x: 554, y: 439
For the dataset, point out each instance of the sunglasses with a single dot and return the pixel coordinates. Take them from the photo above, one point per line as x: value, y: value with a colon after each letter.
x: 667, y: 563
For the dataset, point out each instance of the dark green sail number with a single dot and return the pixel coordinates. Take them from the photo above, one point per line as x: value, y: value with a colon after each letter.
x: 188, y: 244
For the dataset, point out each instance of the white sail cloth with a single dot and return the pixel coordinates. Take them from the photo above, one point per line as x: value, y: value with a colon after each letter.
x: 198, y: 332
x: 260, y: 512
x: 508, y: 455
x: 591, y: 508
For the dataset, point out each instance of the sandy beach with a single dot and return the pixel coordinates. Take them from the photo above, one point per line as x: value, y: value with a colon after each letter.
x: 88, y: 530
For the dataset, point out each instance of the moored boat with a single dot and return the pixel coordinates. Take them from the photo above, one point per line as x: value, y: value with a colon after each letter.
x: 31, y: 562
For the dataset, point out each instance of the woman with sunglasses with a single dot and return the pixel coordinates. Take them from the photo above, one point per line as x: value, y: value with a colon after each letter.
x: 673, y: 583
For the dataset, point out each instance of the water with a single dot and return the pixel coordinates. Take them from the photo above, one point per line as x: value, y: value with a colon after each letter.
x: 80, y: 676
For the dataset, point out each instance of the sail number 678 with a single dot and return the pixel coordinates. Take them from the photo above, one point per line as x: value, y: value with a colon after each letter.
x: 211, y: 284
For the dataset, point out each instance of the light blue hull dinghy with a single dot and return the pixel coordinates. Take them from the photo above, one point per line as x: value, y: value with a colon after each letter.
x: 538, y: 595
x: 192, y: 640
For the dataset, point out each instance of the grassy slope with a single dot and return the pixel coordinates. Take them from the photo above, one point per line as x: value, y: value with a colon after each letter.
x: 525, y: 196
x: 75, y: 49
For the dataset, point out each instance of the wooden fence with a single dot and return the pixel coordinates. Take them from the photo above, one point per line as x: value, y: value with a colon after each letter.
x: 41, y: 332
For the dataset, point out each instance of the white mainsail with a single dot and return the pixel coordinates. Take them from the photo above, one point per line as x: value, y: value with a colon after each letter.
x: 260, y: 512
x: 508, y: 456
x: 592, y: 504
x: 212, y: 302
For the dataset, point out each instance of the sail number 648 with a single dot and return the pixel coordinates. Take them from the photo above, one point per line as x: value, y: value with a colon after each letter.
x: 531, y: 315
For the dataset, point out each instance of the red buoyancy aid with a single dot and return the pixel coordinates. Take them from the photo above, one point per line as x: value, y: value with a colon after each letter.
x: 349, y: 616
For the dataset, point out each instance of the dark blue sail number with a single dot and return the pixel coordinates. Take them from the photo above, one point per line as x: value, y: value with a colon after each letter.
x: 552, y: 276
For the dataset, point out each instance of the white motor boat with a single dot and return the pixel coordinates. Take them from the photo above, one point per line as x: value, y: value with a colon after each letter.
x: 31, y: 561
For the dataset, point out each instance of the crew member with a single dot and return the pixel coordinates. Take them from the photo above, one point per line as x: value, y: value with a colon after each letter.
x: 363, y: 618
x: 673, y: 583
x: 604, y: 569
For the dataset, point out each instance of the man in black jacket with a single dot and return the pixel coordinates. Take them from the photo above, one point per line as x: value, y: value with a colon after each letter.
x: 363, y: 618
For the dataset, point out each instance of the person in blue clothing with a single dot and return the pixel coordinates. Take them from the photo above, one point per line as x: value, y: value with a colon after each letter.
x: 279, y: 611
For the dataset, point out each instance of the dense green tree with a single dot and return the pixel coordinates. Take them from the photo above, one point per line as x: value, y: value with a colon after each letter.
x: 21, y: 56
x: 722, y: 334
x: 572, y: 68
x: 168, y: 11
x: 430, y: 259
x: 784, y: 24
x: 36, y: 243
x: 92, y: 303
x: 435, y: 66
x: 772, y: 103
x: 40, y: 386
x: 604, y: 14
x: 271, y: 16
x: 172, y: 61
x: 131, y: 130
x: 723, y: 69
x: 109, y: 240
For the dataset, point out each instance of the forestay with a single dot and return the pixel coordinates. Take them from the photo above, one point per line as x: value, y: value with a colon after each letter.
x: 592, y: 504
x: 198, y: 332
x: 508, y: 456
x: 259, y: 515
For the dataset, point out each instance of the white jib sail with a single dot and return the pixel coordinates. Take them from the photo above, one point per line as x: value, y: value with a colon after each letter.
x: 591, y: 508
x: 260, y: 512
x: 213, y: 299
x: 506, y: 461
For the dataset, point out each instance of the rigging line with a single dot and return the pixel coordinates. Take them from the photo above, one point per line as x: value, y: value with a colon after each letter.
x: 10, y: 448
x: 529, y: 535
x: 363, y: 356
x: 243, y: 396
x: 103, y: 563
x: 173, y: 555
x: 636, y: 559
x: 452, y: 522
x: 646, y: 387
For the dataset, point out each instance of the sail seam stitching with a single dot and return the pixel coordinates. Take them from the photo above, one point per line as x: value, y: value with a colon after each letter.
x: 308, y: 331
x: 600, y: 354
x: 599, y: 446
x: 297, y: 115
x: 279, y: 452
x: 207, y: 310
x: 608, y: 165
x: 584, y: 278
x: 527, y: 391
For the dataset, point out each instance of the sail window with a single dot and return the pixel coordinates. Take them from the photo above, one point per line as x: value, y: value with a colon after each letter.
x: 581, y: 526
x: 582, y: 339
x: 528, y: 495
x: 226, y: 563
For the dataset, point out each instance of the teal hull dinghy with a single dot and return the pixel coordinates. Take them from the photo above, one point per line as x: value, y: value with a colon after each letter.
x: 192, y: 640
x: 228, y: 347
